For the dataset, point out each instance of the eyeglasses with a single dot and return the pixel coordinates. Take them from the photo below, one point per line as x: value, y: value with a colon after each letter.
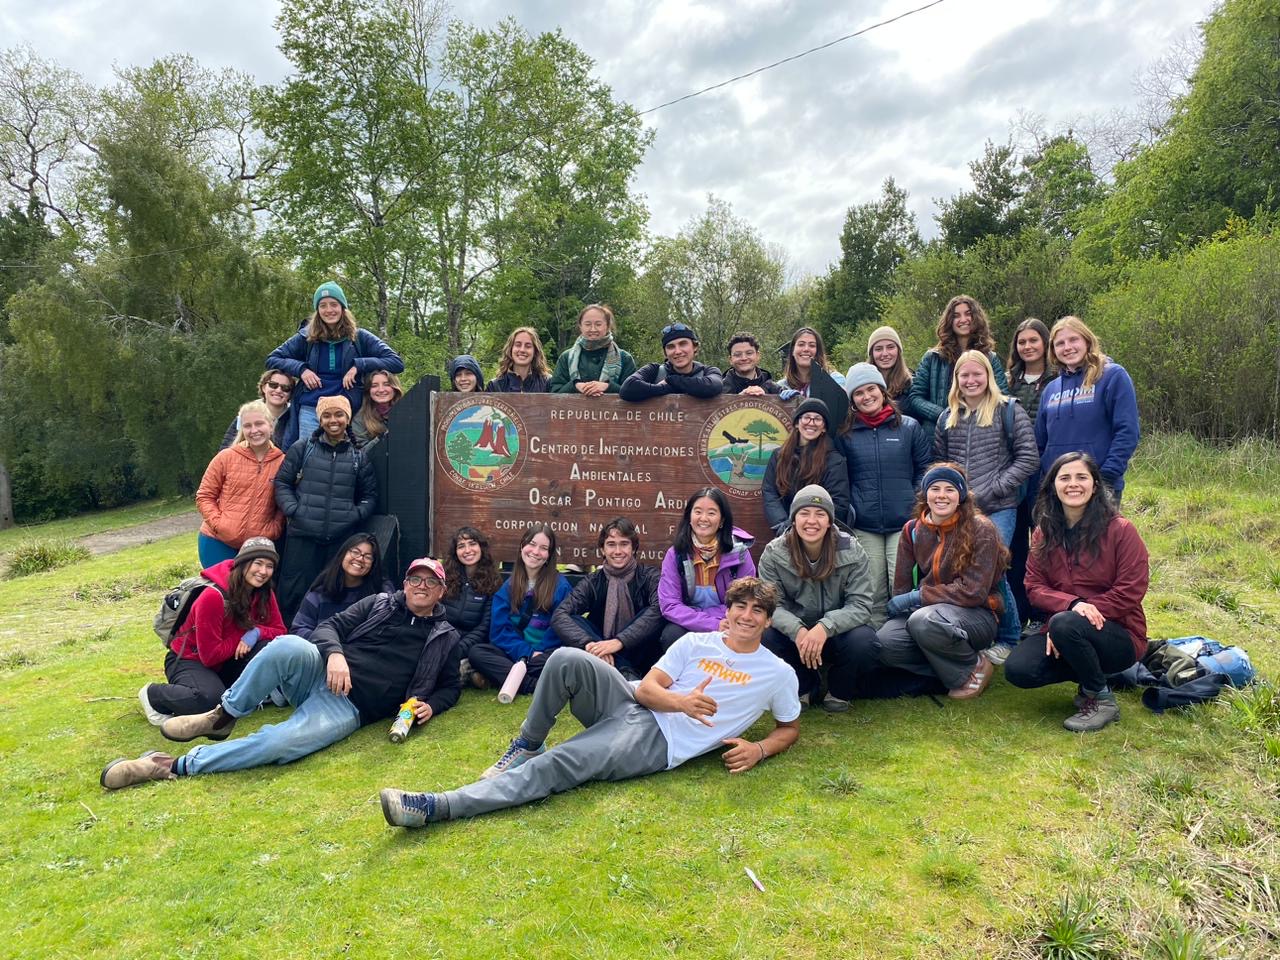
x: 282, y: 387
x: 812, y: 420
x: 416, y: 581
x: 355, y: 553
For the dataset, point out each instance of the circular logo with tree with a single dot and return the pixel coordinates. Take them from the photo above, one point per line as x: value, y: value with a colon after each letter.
x: 739, y: 442
x: 482, y: 446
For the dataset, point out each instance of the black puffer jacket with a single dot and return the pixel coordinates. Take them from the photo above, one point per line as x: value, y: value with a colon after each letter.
x: 325, y: 490
x: 469, y: 613
x: 588, y: 599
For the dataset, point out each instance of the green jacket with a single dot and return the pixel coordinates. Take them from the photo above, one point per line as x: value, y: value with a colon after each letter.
x: 839, y: 603
x: 589, y: 365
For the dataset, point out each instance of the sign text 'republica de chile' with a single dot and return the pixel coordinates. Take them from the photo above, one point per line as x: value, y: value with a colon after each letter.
x: 503, y: 461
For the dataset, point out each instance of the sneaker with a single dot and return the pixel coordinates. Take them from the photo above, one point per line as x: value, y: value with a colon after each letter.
x: 125, y: 773
x: 404, y: 809
x: 804, y: 699
x: 154, y: 716
x: 216, y: 725
x: 833, y: 704
x: 1094, y: 714
x: 978, y: 681
x: 998, y: 653
x: 521, y: 751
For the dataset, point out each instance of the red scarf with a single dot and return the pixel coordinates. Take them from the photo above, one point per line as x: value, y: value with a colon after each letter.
x: 876, y: 419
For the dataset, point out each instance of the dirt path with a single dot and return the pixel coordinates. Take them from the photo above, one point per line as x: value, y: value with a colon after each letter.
x: 113, y: 540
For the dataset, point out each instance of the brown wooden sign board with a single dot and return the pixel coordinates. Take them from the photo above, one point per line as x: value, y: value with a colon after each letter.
x: 502, y: 461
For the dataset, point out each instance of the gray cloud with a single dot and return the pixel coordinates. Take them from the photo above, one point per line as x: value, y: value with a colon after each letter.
x: 792, y: 148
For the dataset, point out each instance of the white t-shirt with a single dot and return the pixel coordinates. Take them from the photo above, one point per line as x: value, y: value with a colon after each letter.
x: 743, y: 686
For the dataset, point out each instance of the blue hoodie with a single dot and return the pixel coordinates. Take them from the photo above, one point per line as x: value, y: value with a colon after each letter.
x: 1101, y: 420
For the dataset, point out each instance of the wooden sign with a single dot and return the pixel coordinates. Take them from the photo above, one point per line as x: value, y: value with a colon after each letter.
x: 502, y: 461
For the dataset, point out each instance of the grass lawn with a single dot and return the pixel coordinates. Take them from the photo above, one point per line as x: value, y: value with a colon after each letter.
x: 97, y: 522
x: 899, y: 829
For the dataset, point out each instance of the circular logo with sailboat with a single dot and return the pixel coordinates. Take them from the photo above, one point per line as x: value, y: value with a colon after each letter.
x: 483, y: 446
x: 739, y: 442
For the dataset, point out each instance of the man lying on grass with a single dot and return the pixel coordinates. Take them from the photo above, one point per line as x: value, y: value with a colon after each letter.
x: 707, y: 689
x: 357, y: 668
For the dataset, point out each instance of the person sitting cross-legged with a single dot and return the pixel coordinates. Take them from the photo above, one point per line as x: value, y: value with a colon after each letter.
x: 357, y: 668
x: 706, y: 691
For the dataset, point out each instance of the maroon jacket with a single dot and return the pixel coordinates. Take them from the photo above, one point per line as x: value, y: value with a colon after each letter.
x: 930, y: 552
x: 1114, y: 581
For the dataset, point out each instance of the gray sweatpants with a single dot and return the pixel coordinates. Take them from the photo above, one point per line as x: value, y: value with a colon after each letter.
x: 939, y: 640
x: 621, y: 739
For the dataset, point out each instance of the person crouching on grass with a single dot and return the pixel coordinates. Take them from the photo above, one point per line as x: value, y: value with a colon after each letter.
x: 357, y: 668
x: 706, y: 691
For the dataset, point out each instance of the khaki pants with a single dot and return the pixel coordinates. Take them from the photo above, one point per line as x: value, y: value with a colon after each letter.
x: 882, y: 559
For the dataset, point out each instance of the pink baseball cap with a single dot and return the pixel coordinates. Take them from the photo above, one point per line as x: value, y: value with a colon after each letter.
x: 432, y: 564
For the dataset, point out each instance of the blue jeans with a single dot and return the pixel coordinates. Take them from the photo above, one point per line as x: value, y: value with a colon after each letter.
x: 307, y: 421
x: 320, y: 717
x: 212, y: 551
x: 1010, y: 629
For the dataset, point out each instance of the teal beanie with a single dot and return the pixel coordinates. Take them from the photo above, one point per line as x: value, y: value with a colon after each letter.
x: 328, y: 289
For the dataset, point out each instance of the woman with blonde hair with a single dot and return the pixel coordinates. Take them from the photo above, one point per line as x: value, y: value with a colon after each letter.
x: 962, y: 326
x: 991, y: 437
x: 523, y: 366
x: 381, y: 393
x: 329, y: 355
x: 236, y: 497
x: 594, y: 364
x: 1090, y: 406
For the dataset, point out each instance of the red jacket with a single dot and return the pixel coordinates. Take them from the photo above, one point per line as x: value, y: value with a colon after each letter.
x: 209, y: 634
x: 931, y: 551
x: 237, y: 496
x: 1114, y: 581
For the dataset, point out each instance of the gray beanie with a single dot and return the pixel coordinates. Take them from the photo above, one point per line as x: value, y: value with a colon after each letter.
x: 861, y: 374
x: 255, y: 548
x: 814, y: 495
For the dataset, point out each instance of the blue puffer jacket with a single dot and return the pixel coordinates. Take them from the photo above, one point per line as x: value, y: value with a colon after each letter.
x: 885, y: 467
x: 325, y: 490
x: 330, y: 362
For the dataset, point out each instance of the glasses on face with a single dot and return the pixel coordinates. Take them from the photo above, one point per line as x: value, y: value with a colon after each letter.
x: 355, y: 553
x: 811, y: 420
x: 282, y: 387
x: 417, y: 581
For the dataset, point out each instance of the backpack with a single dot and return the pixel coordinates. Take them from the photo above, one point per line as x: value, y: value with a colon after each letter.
x: 1008, y: 441
x: 176, y: 605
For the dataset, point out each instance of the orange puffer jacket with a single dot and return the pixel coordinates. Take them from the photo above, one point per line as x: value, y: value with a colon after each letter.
x: 237, y: 496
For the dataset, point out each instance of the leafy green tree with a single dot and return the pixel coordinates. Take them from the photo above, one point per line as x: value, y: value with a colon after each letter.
x: 761, y: 429
x: 1060, y: 185
x: 460, y: 448
x: 991, y: 207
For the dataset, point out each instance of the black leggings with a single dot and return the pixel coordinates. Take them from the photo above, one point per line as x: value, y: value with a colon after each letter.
x: 1088, y: 656
x: 193, y: 687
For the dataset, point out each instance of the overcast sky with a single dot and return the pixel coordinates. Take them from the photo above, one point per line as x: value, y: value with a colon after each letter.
x: 791, y: 148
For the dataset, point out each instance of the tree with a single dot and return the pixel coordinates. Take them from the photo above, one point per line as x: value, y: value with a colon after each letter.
x: 460, y: 448
x: 760, y: 429
x: 1060, y: 186
x: 876, y: 239
x: 716, y: 274
x: 990, y: 208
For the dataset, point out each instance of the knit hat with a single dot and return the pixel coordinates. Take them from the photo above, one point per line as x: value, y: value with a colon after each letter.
x: 813, y: 405
x: 949, y: 475
x: 427, y: 563
x: 255, y: 548
x: 814, y: 495
x: 333, y: 403
x: 674, y: 331
x: 883, y: 333
x: 328, y: 289
x: 464, y: 361
x: 861, y: 374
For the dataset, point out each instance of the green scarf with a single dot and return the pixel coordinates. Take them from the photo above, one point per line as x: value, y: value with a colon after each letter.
x: 612, y: 367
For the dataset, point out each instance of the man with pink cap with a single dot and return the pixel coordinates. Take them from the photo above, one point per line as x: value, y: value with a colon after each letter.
x: 357, y: 668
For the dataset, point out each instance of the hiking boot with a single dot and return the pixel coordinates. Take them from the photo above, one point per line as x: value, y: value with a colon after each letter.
x: 521, y: 751
x: 125, y: 773
x: 464, y: 671
x: 154, y: 716
x: 998, y: 653
x: 477, y: 680
x: 1094, y: 714
x: 404, y: 809
x: 1079, y: 699
x: 833, y: 704
x: 978, y: 681
x: 217, y: 724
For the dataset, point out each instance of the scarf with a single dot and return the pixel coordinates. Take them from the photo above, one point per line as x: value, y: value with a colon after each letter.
x: 383, y: 409
x: 618, y: 609
x: 610, y: 370
x: 876, y: 419
x: 706, y: 561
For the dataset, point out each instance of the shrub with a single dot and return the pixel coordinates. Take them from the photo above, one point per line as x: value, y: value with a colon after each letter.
x: 36, y: 556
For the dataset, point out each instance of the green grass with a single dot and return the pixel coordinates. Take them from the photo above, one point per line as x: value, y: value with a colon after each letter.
x: 37, y: 556
x: 99, y: 521
x: 899, y: 829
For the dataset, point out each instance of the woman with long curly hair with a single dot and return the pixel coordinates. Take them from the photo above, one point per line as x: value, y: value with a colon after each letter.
x: 946, y: 601
x: 1088, y: 568
x: 962, y: 326
x: 809, y: 455
x: 522, y: 368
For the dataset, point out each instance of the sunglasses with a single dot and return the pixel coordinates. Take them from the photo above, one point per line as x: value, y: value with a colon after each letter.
x: 677, y: 328
x: 282, y: 387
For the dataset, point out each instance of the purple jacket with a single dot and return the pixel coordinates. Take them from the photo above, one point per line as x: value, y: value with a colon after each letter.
x: 675, y: 589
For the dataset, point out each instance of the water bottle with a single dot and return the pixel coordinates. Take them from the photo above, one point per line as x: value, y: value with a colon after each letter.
x: 404, y: 721
x: 511, y: 686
